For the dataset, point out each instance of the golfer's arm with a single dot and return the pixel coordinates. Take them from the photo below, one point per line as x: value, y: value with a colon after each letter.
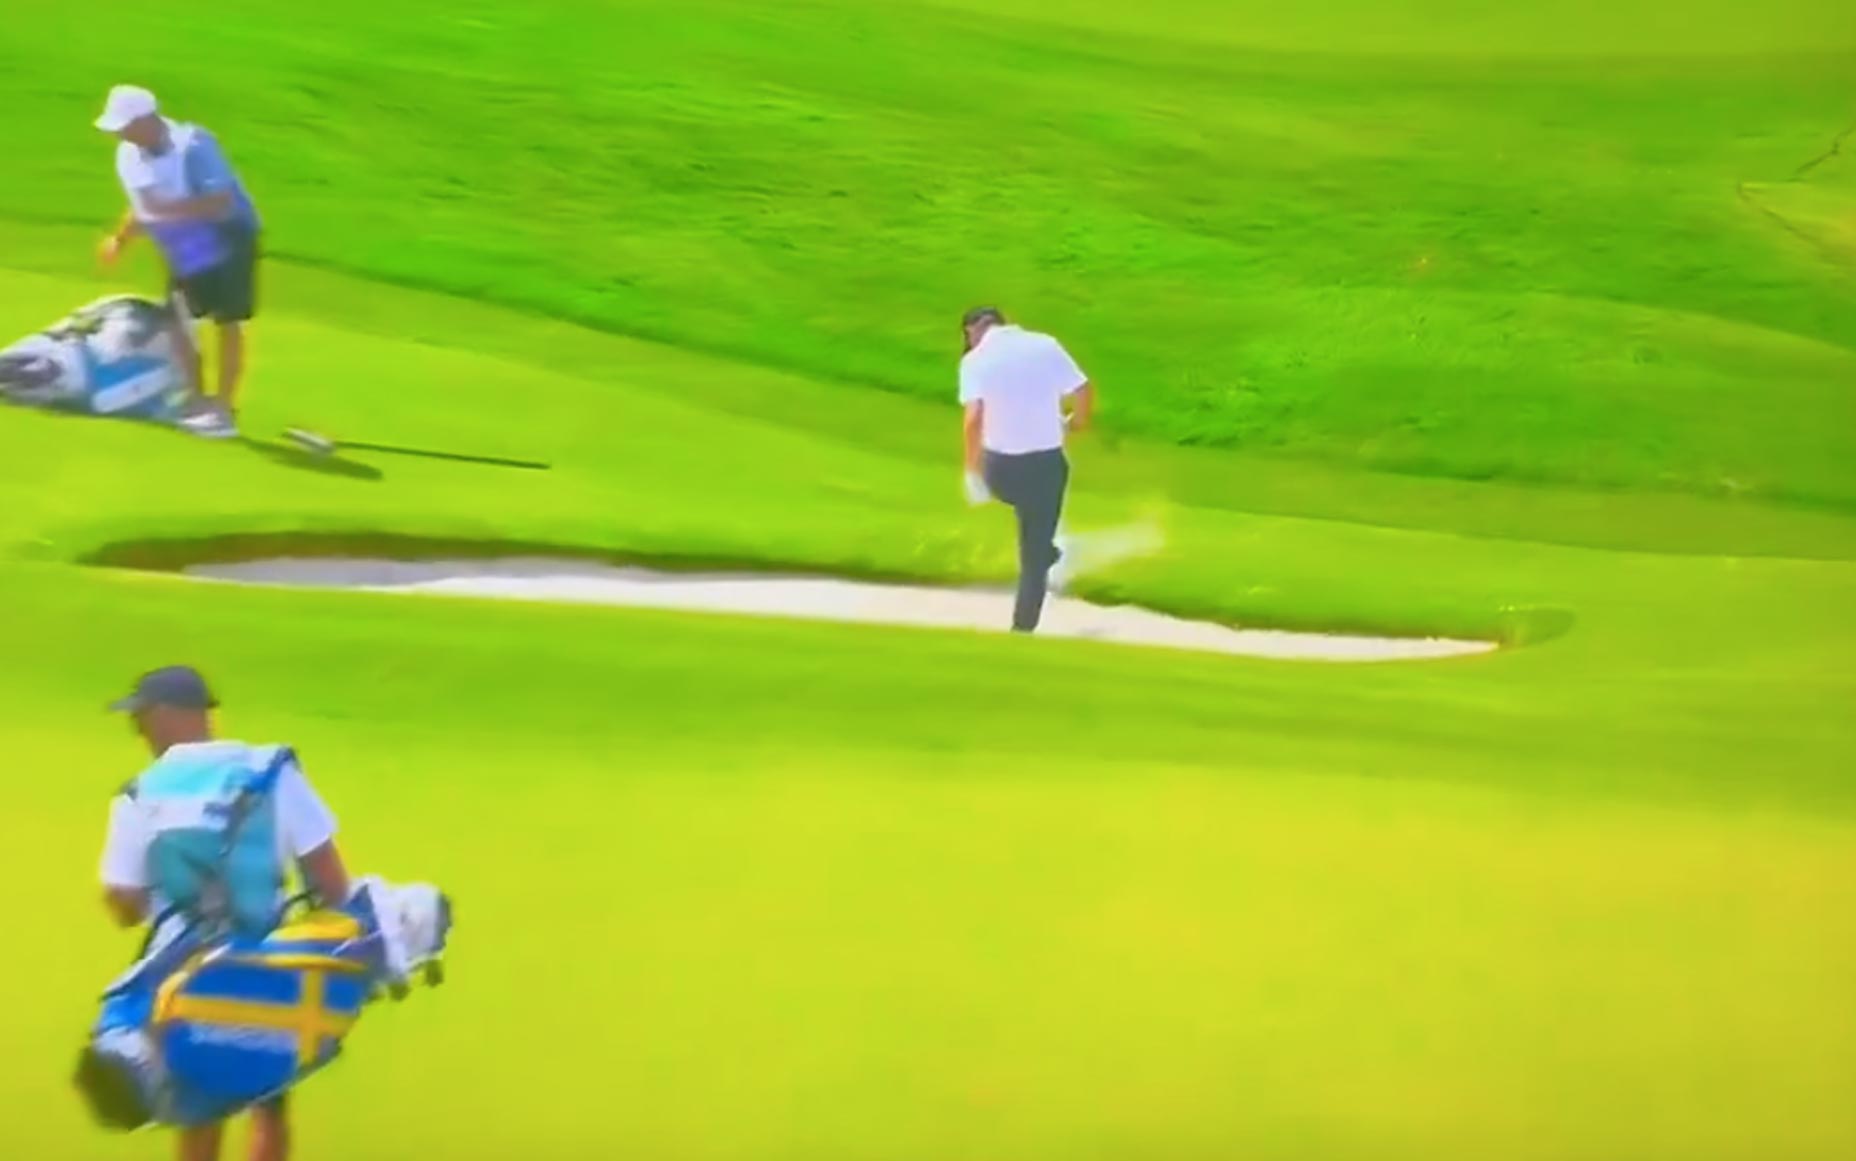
x: 128, y: 906
x: 1082, y: 407
x: 325, y: 874
x: 129, y: 227
x: 971, y: 431
x: 206, y: 206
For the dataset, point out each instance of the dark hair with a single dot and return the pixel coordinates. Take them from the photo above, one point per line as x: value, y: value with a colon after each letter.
x: 992, y: 316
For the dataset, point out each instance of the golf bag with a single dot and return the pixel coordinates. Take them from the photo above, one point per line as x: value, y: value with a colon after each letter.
x: 232, y: 1001
x: 113, y: 357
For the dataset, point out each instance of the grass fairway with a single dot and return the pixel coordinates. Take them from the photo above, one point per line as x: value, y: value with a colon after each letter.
x: 746, y: 889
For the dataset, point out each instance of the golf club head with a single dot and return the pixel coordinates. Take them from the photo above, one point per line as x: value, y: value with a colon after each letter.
x: 310, y: 441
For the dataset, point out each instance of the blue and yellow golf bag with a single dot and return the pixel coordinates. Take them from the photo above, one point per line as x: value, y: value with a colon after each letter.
x: 231, y: 1003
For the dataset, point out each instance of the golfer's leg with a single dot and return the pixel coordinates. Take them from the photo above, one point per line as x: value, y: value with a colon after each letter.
x: 1058, y: 483
x: 1005, y: 476
x: 201, y: 1142
x: 270, y: 1131
x: 231, y: 364
x: 1032, y: 572
x: 1037, y: 535
x: 186, y: 353
x: 996, y: 470
x: 237, y: 292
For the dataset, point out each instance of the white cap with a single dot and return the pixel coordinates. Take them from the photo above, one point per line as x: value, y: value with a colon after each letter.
x: 126, y: 105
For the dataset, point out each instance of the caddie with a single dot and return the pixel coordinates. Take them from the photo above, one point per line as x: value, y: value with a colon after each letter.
x: 161, y: 819
x: 184, y: 195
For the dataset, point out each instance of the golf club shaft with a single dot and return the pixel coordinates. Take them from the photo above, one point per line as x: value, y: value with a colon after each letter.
x: 458, y: 457
x: 324, y: 445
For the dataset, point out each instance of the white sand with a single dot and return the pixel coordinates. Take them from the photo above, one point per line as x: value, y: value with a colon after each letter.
x: 816, y: 598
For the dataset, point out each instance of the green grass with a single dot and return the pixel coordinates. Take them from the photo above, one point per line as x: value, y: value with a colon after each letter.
x: 1516, y: 255
x: 747, y: 889
x: 850, y: 893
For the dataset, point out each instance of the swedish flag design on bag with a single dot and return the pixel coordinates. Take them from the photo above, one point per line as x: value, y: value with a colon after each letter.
x: 211, y: 1020
x: 251, y: 1018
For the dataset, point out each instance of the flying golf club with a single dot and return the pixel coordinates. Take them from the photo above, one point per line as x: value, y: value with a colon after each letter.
x: 323, y: 445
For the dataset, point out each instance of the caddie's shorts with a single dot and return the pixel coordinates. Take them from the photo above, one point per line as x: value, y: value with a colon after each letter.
x: 227, y: 292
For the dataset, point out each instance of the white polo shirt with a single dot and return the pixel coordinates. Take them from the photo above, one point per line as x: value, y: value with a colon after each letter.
x: 1022, y: 377
x: 142, y: 174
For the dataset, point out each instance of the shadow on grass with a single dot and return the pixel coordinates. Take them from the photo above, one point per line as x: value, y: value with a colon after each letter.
x: 175, y: 554
x: 281, y: 454
x: 284, y: 455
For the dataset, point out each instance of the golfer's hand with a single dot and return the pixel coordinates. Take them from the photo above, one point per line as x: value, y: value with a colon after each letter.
x: 977, y: 491
x: 109, y: 250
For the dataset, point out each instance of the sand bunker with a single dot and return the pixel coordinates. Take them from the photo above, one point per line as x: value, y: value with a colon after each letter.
x: 815, y: 598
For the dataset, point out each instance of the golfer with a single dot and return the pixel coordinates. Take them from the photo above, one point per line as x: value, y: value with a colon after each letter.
x: 183, y: 194
x: 1022, y: 393
x: 172, y: 711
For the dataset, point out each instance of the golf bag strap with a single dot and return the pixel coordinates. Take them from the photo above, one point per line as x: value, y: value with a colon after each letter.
x: 264, y: 784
